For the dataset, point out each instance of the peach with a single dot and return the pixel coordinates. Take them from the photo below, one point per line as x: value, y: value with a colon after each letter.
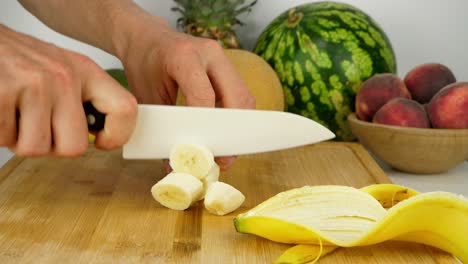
x: 449, y: 107
x: 402, y: 112
x: 376, y: 91
x: 425, y: 80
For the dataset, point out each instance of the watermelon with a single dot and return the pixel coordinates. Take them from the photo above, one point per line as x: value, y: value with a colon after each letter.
x: 322, y: 52
x: 119, y: 76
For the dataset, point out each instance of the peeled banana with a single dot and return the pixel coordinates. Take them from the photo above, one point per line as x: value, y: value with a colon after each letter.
x: 177, y: 190
x: 193, y: 159
x: 221, y: 198
x: 210, y: 178
x: 195, y: 177
x: 346, y: 217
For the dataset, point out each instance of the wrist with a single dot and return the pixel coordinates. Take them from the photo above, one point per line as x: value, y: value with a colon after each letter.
x: 131, y: 24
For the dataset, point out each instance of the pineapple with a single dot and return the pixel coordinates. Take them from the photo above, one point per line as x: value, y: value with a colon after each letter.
x: 213, y: 19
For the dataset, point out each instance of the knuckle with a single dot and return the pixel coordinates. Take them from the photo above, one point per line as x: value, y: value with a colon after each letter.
x: 72, y: 150
x: 36, y: 145
x: 129, y: 106
x: 61, y: 74
x: 36, y: 150
x: 184, y: 47
x: 36, y: 84
x: 212, y: 45
x: 81, y: 58
x: 202, y: 96
x: 82, y: 61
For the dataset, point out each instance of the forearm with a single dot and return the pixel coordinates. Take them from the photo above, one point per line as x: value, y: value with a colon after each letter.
x: 106, y: 24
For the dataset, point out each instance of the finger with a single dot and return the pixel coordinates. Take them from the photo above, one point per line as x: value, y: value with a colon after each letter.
x: 171, y: 88
x: 108, y: 97
x: 194, y: 83
x: 228, y: 85
x: 140, y: 88
x: 225, y: 163
x: 69, y: 125
x: 167, y: 166
x: 7, y: 118
x: 34, y: 125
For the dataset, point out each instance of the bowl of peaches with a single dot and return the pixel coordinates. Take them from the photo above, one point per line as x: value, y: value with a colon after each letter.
x: 418, y: 124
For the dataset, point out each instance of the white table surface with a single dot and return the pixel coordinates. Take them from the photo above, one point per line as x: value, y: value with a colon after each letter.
x: 454, y: 180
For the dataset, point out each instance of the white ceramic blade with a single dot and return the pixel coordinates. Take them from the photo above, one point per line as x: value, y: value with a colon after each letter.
x: 225, y: 132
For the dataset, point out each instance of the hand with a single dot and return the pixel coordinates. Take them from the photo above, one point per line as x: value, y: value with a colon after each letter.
x: 159, y: 61
x: 44, y: 87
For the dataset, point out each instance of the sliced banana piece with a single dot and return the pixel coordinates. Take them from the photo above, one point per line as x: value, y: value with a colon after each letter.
x: 177, y: 190
x: 222, y: 198
x: 211, y: 177
x: 191, y: 158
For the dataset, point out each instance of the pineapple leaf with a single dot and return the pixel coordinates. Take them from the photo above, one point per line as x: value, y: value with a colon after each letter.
x: 220, y: 14
x: 205, y: 11
x: 246, y: 8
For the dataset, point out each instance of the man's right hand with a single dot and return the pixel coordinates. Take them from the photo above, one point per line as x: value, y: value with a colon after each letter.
x: 42, y: 90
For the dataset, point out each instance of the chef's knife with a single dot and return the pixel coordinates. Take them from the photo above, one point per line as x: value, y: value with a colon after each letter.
x: 226, y: 132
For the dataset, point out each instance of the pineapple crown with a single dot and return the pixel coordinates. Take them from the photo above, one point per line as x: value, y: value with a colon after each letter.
x: 220, y: 14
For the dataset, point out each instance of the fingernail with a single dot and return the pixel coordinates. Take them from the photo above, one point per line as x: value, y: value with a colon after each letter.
x: 168, y: 166
x: 226, y: 162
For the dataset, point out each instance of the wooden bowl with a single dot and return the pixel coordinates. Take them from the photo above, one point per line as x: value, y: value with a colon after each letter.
x: 413, y: 150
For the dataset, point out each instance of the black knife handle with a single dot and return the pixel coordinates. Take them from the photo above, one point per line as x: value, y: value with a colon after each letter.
x: 94, y: 118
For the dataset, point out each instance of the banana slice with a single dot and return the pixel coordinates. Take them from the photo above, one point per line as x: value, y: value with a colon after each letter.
x: 211, y: 177
x: 192, y: 159
x: 177, y: 190
x: 222, y: 198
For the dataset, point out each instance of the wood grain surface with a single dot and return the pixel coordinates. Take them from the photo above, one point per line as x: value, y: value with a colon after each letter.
x: 98, y: 209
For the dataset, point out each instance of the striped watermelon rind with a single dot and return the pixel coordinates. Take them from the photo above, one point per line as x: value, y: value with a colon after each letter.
x: 322, y: 52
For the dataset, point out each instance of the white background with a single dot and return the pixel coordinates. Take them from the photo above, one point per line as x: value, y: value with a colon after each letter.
x: 420, y: 31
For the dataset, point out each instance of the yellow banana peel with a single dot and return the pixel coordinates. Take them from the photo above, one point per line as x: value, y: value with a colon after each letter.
x: 302, y: 254
x: 388, y: 194
x: 337, y: 216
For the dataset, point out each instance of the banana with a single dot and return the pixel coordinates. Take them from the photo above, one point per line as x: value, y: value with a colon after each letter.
x: 211, y: 177
x: 222, y: 198
x: 343, y: 217
x: 193, y: 159
x: 195, y: 177
x: 177, y: 190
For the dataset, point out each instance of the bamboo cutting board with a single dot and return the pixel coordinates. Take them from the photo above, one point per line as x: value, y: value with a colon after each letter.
x: 98, y: 209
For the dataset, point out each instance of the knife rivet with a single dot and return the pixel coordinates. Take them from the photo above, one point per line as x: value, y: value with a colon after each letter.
x: 91, y: 119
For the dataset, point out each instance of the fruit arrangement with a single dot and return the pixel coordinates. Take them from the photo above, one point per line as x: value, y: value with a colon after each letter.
x: 428, y: 97
x: 322, y: 52
x: 320, y: 219
x: 195, y: 177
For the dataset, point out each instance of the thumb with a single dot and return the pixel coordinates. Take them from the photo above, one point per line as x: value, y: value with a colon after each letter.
x: 113, y: 100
